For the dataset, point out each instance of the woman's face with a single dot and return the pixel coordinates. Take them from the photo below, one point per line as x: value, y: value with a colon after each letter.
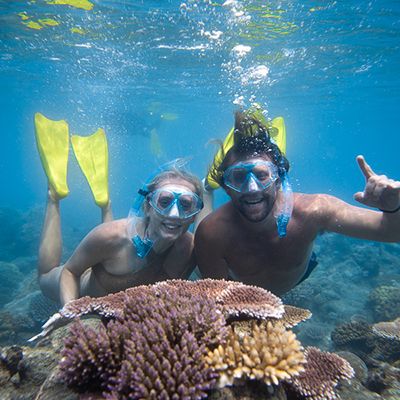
x: 169, y: 226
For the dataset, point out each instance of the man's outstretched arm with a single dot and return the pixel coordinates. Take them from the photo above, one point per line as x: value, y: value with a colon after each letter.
x: 382, y: 224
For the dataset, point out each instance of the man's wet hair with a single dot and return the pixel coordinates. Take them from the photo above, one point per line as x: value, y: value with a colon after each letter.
x: 251, y: 138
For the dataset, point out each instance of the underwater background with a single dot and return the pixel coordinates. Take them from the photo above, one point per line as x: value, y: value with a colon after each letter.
x: 163, y: 78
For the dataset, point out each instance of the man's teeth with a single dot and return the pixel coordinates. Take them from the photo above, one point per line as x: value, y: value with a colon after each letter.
x: 253, y: 201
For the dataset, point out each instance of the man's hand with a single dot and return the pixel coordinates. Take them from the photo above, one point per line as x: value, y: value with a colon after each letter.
x: 380, y: 191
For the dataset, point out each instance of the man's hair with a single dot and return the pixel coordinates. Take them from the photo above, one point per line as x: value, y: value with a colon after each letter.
x: 251, y: 138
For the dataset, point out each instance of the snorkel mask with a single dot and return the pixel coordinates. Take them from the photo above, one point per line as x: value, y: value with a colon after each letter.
x: 239, y: 176
x: 182, y: 205
x: 164, y: 201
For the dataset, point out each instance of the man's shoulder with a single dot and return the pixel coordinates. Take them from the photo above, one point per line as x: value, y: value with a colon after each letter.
x: 217, y: 223
x: 313, y: 207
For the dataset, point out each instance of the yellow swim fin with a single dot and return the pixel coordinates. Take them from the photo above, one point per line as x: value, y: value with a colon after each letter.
x: 276, y: 129
x: 92, y: 155
x: 52, y: 139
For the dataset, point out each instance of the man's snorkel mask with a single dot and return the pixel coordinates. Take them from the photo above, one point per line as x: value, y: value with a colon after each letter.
x: 143, y: 244
x: 254, y: 132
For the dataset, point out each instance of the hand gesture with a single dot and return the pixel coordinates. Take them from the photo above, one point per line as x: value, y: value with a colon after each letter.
x: 380, y: 191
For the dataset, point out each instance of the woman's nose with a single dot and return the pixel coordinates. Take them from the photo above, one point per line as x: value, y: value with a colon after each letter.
x: 174, y: 211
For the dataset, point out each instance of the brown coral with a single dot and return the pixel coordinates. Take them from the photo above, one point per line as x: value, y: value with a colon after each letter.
x: 294, y: 315
x: 321, y: 375
x: 155, y: 350
x: 234, y: 298
x: 388, y: 330
x: 385, y: 302
x: 266, y: 352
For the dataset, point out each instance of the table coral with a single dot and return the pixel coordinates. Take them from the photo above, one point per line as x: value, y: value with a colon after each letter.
x: 235, y: 299
x: 321, y: 375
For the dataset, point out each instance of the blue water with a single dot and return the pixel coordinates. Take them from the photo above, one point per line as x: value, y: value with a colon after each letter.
x: 180, y: 70
x: 332, y: 72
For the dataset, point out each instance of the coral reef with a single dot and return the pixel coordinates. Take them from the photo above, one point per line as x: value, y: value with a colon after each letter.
x: 388, y: 330
x: 178, y: 339
x: 154, y: 350
x: 321, y: 375
x: 233, y: 299
x: 385, y: 302
x: 352, y: 336
x: 314, y: 334
x: 270, y: 353
x: 294, y: 315
x: 10, y: 278
x: 375, y: 342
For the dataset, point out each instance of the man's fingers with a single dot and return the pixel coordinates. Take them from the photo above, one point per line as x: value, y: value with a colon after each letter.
x: 359, y: 196
x: 365, y: 168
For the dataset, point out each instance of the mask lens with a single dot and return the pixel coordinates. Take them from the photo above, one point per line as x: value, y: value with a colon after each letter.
x: 163, y: 199
x: 238, y: 176
x: 263, y: 173
x: 187, y: 203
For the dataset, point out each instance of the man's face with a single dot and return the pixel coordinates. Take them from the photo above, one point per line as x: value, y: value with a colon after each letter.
x: 254, y: 202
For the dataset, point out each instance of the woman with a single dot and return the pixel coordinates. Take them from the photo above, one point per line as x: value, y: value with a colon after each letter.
x: 152, y: 244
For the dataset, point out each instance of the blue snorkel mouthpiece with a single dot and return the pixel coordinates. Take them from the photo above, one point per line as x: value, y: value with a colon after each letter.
x: 142, y: 247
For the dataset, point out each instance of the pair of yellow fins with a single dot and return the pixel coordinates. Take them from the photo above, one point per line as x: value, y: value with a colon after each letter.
x: 52, y: 138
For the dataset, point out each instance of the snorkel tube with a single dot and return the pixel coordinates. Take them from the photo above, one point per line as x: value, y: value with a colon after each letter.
x: 285, y: 212
x: 144, y: 244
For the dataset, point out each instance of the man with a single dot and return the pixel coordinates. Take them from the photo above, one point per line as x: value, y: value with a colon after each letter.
x: 264, y: 235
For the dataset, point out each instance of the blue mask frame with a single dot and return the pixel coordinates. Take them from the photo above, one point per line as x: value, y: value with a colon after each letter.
x: 248, y: 167
x: 176, y: 195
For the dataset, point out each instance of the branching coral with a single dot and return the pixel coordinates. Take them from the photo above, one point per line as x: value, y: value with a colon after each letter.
x: 321, y: 375
x: 266, y: 352
x: 154, y: 350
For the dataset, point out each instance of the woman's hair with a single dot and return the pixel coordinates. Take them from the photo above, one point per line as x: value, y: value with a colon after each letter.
x: 176, y: 173
x: 251, y: 138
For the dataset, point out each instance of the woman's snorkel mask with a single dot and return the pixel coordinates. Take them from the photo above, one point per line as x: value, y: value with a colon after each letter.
x: 184, y: 204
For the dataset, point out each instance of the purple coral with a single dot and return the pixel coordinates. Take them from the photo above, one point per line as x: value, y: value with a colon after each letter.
x: 154, y: 350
